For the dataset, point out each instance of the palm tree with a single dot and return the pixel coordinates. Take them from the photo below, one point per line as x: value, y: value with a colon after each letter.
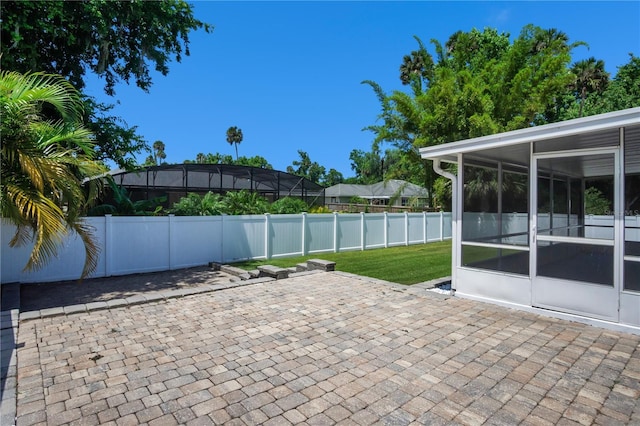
x: 590, y: 78
x: 158, y: 152
x: 44, y: 163
x: 234, y: 136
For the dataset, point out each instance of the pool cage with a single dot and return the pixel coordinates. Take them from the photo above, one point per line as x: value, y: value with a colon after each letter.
x: 175, y: 181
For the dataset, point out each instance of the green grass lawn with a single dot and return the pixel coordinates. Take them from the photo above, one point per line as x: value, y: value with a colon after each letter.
x: 404, y: 265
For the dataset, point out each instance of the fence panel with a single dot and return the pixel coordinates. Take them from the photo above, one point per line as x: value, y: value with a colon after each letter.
x: 138, y: 244
x: 285, y: 233
x: 374, y: 230
x: 319, y: 233
x: 195, y: 240
x: 146, y: 244
x: 416, y: 231
x: 349, y: 233
x: 243, y: 238
x: 67, y: 265
x: 396, y: 227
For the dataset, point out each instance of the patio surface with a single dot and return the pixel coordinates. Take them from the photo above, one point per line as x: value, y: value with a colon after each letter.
x: 321, y: 348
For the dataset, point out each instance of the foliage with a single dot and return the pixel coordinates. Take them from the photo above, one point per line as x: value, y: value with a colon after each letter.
x: 307, y: 168
x: 590, y: 78
x: 114, y: 140
x: 157, y: 155
x: 332, y: 177
x: 621, y: 92
x: 234, y: 137
x: 358, y: 200
x: 319, y: 210
x: 367, y: 166
x: 405, y: 265
x: 595, y: 202
x: 43, y: 165
x: 124, y: 206
x: 116, y: 40
x: 245, y: 202
x: 442, y: 194
x: 195, y: 205
x: 479, y: 83
x: 217, y: 158
x: 288, y: 205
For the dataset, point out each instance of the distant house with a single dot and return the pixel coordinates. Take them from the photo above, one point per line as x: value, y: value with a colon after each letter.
x: 398, y: 193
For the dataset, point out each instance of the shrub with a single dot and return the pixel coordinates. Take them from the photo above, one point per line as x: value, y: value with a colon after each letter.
x: 288, y: 205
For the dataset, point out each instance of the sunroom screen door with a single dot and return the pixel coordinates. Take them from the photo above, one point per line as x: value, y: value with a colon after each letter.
x: 575, y: 235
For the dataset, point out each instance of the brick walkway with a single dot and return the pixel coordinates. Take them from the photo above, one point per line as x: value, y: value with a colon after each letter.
x: 327, y: 348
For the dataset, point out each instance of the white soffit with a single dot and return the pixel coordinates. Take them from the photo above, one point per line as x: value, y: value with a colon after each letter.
x: 563, y: 129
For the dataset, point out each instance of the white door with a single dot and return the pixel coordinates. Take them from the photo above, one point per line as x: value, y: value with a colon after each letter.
x: 575, y: 256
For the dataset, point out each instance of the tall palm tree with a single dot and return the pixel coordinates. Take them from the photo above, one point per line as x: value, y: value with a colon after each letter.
x: 234, y: 136
x: 590, y: 78
x: 43, y: 164
x: 158, y: 152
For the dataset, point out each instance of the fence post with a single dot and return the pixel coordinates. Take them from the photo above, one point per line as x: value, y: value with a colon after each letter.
x: 386, y: 229
x: 335, y: 232
x: 441, y: 225
x: 108, y: 232
x: 362, y: 239
x: 172, y: 245
x: 424, y: 227
x: 406, y: 228
x: 267, y: 246
x: 304, y: 233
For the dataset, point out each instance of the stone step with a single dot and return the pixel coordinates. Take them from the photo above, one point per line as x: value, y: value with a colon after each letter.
x: 273, y: 272
x: 319, y: 264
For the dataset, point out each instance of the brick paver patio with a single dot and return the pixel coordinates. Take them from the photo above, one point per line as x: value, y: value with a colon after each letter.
x: 326, y: 348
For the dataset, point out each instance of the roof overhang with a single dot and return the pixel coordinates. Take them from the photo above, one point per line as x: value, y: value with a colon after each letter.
x: 509, y: 140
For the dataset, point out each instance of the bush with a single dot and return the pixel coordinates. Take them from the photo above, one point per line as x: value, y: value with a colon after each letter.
x: 195, y: 205
x: 245, y: 202
x: 288, y: 205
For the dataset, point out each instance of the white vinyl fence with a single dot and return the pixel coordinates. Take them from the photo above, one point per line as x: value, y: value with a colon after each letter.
x: 136, y: 244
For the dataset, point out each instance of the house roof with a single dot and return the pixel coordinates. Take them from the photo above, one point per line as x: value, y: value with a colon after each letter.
x: 573, y: 134
x: 386, y: 189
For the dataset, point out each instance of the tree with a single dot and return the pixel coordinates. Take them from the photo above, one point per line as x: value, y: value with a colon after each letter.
x: 307, y: 168
x: 367, y: 165
x: 234, y: 137
x: 333, y: 177
x: 417, y: 66
x: 621, y: 92
x: 158, y: 154
x: 116, y: 40
x: 44, y: 163
x: 481, y: 83
x: 590, y: 77
x: 217, y: 158
x: 113, y: 140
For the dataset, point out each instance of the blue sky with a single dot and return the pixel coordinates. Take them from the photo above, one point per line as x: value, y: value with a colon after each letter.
x: 289, y: 73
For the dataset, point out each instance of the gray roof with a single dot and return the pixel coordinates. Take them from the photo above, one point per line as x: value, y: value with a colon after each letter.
x: 387, y: 189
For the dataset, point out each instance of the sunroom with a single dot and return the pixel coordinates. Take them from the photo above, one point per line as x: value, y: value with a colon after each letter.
x: 548, y: 218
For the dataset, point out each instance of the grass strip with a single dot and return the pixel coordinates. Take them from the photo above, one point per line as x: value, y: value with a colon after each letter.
x: 404, y: 265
